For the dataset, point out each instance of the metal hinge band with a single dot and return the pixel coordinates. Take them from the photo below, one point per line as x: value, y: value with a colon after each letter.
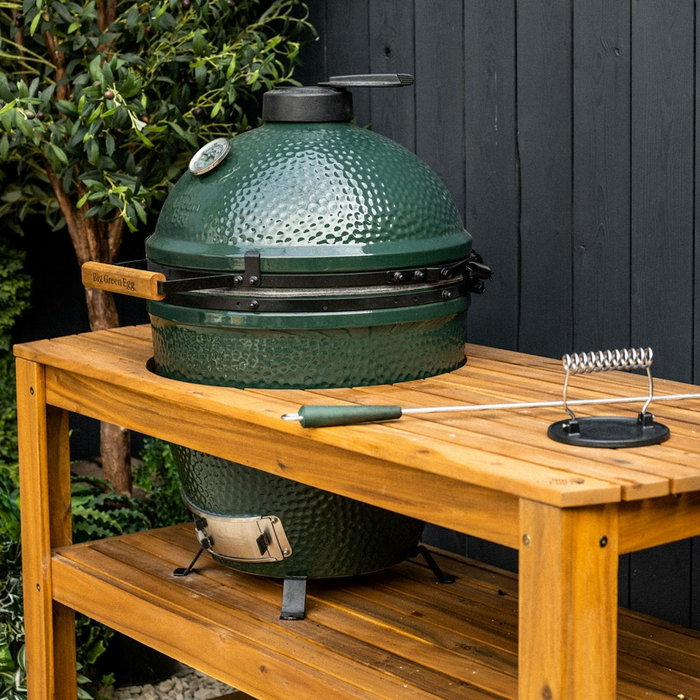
x: 256, y: 539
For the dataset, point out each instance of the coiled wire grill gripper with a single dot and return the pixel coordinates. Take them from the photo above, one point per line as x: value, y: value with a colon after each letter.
x: 609, y: 431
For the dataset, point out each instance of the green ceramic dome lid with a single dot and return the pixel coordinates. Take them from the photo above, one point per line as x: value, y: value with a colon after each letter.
x: 309, y: 197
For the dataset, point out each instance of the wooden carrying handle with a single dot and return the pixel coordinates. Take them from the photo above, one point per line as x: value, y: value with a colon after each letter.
x: 123, y: 280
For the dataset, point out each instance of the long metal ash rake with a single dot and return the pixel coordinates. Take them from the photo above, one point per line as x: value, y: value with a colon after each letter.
x: 318, y: 416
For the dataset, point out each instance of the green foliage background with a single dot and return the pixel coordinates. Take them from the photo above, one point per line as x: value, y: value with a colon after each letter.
x: 117, y: 122
x: 15, y: 288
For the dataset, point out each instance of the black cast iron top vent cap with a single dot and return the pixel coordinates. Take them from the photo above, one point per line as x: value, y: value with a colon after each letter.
x: 327, y: 102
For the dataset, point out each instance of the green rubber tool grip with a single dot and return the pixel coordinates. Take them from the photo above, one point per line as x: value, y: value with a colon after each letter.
x: 323, y: 416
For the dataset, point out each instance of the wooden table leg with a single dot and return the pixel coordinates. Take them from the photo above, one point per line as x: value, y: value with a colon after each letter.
x: 46, y: 522
x: 568, y: 602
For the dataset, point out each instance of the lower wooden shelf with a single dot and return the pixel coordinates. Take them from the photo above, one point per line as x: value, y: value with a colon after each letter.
x: 390, y: 635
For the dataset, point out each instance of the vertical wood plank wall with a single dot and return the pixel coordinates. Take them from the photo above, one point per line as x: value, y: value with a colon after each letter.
x: 566, y: 132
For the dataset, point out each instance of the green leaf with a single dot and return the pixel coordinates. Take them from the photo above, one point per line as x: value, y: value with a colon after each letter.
x: 78, y: 137
x: 217, y: 108
x: 184, y: 134
x: 145, y: 139
x: 4, y: 148
x: 67, y: 108
x: 199, y: 43
x: 92, y: 150
x: 140, y: 211
x: 130, y: 86
x: 231, y: 67
x: 95, y: 651
x: 23, y: 125
x: 48, y: 93
x: 132, y: 17
x: 200, y: 75
x: 108, y: 75
x: 60, y: 153
x: 5, y: 91
x: 35, y: 23
x: 62, y: 11
x: 97, y: 112
x: 109, y: 144
x: 6, y: 661
x: 95, y: 70
x: 128, y: 221
x: 6, y: 121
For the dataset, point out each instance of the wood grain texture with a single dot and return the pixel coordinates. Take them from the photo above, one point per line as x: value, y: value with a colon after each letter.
x: 601, y: 175
x: 391, y: 50
x: 123, y: 280
x: 439, y: 67
x: 662, y: 183
x: 313, y: 68
x: 674, y: 464
x: 661, y: 520
x: 696, y: 195
x: 662, y: 245
x: 386, y: 635
x: 347, y: 42
x: 45, y: 493
x: 492, y: 172
x: 568, y: 602
x: 114, y: 387
x: 544, y: 90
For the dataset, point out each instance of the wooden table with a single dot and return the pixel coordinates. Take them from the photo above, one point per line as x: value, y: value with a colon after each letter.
x: 569, y: 511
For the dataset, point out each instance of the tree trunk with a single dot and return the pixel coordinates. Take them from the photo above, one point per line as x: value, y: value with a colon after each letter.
x: 115, y: 453
x: 99, y: 241
x: 115, y: 443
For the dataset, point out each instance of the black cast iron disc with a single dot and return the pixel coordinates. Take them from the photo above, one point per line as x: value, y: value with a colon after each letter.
x: 604, y: 431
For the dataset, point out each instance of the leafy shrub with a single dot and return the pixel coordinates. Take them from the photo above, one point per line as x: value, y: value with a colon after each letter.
x: 14, y: 298
x: 99, y: 512
x: 158, y: 476
x: 12, y: 673
x: 104, y: 102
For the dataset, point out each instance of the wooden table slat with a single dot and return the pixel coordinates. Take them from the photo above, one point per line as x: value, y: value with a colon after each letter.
x: 389, y: 630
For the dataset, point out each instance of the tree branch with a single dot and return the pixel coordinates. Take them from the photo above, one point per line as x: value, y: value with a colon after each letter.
x: 115, y: 234
x: 19, y: 40
x: 69, y: 214
x: 108, y: 13
x: 58, y: 58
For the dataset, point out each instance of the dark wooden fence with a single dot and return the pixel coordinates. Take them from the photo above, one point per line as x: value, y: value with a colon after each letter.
x: 566, y: 132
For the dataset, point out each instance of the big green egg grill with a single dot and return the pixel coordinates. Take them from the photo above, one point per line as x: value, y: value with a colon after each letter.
x: 306, y: 253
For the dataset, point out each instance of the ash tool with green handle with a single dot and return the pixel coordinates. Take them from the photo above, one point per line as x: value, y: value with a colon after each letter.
x: 322, y: 416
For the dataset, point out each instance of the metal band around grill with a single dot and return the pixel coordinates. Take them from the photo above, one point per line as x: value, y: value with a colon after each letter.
x: 186, y: 280
x: 329, y: 304
x: 257, y: 539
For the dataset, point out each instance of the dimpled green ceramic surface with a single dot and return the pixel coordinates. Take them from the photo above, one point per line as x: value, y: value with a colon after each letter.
x: 330, y: 535
x: 305, y: 359
x: 310, y: 198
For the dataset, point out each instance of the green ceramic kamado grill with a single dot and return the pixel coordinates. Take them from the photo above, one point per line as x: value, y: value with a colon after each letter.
x: 306, y: 253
